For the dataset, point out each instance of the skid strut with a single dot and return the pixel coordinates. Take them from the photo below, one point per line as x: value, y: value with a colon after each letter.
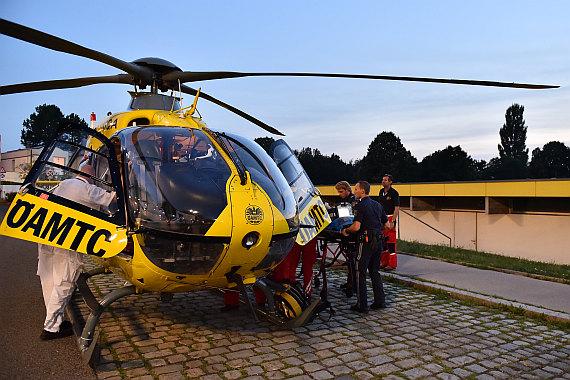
x: 88, y: 337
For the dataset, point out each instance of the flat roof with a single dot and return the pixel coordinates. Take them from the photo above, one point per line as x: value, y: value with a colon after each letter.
x: 514, y: 188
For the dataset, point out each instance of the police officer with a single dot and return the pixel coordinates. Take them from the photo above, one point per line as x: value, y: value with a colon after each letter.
x: 369, y: 219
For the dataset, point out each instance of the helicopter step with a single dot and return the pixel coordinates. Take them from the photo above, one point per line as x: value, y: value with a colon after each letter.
x: 86, y: 334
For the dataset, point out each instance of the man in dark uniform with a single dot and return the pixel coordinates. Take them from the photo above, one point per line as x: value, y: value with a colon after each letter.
x: 390, y: 200
x: 346, y: 196
x: 345, y: 193
x: 369, y: 219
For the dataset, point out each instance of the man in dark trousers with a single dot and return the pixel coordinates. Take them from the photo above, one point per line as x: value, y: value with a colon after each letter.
x: 346, y: 196
x: 390, y: 200
x: 369, y: 219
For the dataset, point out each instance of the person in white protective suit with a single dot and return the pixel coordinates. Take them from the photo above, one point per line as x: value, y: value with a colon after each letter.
x: 60, y: 268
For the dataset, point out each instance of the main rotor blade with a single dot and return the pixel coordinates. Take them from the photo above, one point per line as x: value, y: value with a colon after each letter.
x: 49, y: 41
x: 65, y: 83
x: 259, y: 123
x: 190, y: 76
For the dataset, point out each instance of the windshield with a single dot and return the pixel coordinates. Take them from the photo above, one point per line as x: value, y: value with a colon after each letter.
x: 175, y: 178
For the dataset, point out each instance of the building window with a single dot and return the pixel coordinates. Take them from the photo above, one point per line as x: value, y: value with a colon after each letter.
x: 58, y: 160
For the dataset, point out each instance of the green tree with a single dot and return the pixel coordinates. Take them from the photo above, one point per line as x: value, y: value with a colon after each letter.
x: 323, y: 169
x: 506, y: 168
x: 449, y: 164
x: 513, y: 135
x: 480, y: 166
x: 265, y: 142
x: 42, y: 124
x: 553, y: 161
x: 513, y: 153
x: 387, y: 154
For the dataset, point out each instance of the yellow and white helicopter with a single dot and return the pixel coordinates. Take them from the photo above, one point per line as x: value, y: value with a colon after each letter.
x: 194, y: 207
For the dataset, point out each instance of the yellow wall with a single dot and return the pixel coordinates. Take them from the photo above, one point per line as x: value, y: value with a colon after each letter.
x: 526, y: 188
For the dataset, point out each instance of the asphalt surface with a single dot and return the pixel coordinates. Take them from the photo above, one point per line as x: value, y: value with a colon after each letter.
x: 419, y: 335
x: 22, y: 313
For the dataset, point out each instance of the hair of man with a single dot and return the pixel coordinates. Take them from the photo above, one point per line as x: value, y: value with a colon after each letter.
x: 364, y: 185
x: 343, y: 185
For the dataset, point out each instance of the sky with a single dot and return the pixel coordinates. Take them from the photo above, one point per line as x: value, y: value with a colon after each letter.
x: 510, y: 41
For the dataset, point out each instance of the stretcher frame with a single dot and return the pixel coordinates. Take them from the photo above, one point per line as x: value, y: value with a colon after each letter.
x: 325, y: 239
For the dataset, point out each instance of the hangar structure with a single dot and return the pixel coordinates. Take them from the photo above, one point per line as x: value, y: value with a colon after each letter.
x: 528, y: 219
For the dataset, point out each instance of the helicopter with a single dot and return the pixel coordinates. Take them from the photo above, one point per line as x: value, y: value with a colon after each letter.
x: 194, y: 207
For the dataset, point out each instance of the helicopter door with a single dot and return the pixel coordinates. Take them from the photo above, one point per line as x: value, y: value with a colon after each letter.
x: 312, y: 210
x: 72, y: 197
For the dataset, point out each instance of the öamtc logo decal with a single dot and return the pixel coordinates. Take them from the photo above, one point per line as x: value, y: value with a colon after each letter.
x: 253, y: 214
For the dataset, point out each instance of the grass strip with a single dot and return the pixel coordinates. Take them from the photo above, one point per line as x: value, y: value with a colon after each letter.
x: 484, y: 260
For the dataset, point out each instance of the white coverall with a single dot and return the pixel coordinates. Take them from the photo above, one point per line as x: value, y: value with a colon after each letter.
x: 59, y: 268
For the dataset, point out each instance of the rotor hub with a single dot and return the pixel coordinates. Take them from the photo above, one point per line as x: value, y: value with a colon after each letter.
x: 159, y: 67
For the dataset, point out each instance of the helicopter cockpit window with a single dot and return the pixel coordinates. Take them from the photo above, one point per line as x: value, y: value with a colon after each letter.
x: 175, y: 178
x: 264, y: 172
x: 154, y: 101
x: 68, y: 157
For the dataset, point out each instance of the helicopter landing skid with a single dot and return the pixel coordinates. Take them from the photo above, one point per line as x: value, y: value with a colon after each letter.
x: 88, y: 337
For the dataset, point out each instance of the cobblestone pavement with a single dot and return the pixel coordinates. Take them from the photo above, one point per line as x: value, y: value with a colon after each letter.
x: 419, y: 335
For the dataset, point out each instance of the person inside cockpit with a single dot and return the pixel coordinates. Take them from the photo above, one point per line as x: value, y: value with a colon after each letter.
x: 201, y: 149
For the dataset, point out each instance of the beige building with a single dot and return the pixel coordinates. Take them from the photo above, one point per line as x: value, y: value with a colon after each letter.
x: 527, y: 218
x: 17, y: 163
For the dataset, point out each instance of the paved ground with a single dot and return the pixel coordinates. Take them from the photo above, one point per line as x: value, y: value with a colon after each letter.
x: 418, y: 335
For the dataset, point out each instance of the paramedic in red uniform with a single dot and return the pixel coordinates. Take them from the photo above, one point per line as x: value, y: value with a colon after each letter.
x: 390, y: 200
x: 281, y: 273
x: 286, y: 271
x: 308, y: 255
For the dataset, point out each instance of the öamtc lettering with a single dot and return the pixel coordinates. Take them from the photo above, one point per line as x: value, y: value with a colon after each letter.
x: 57, y: 231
